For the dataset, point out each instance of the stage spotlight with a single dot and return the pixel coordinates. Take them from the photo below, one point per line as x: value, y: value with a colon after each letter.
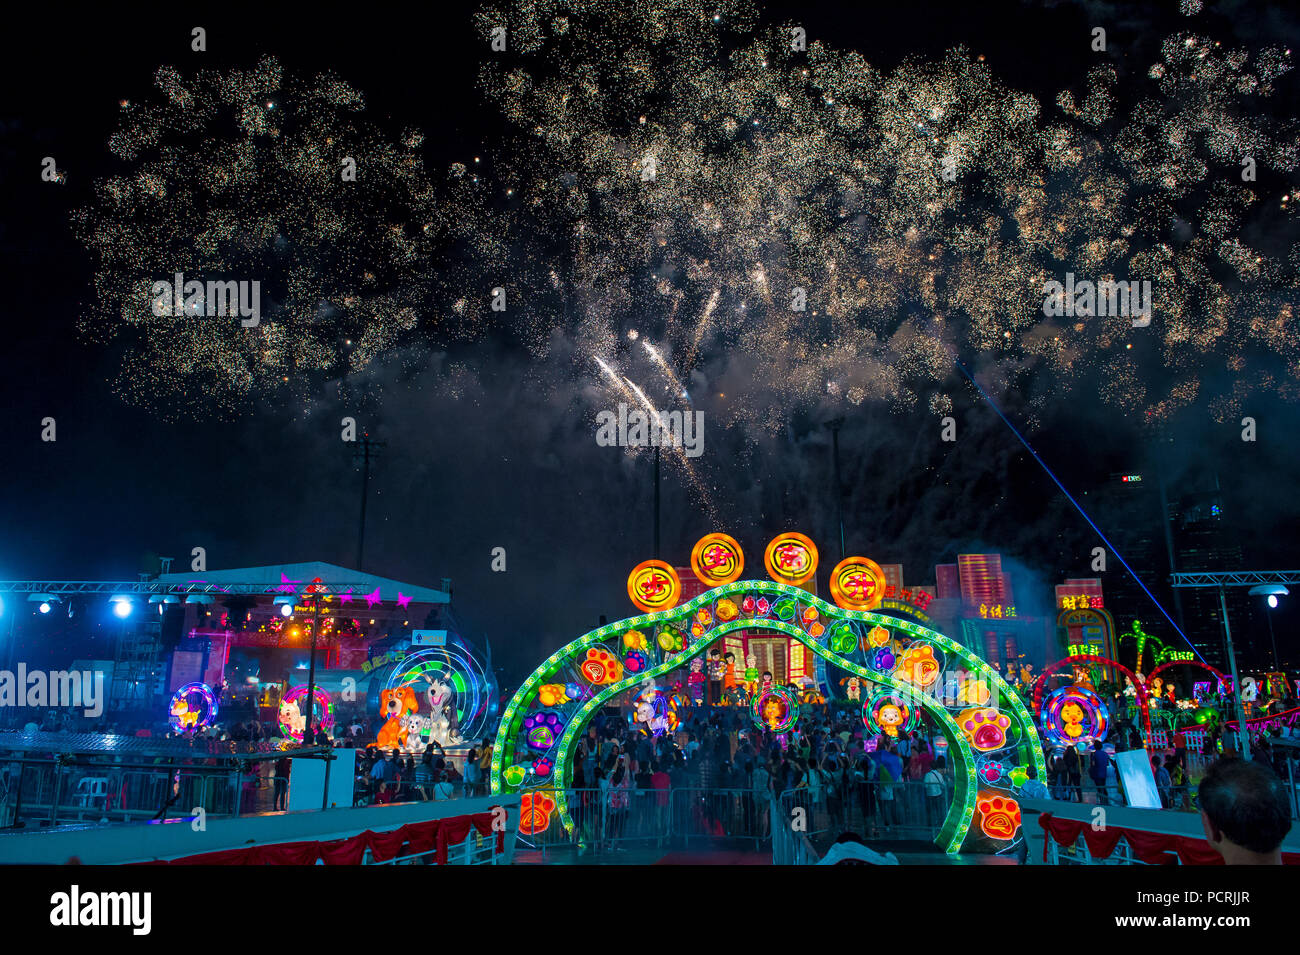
x: 44, y: 608
x: 286, y: 610
x: 1272, y: 600
x: 122, y: 608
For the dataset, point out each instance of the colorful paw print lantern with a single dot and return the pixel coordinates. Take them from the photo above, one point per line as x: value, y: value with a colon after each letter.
x: 974, y: 692
x: 553, y: 694
x: 878, y: 636
x: 984, y: 727
x: 918, y: 665
x: 857, y: 584
x: 634, y: 640
x: 542, y: 729
x: 515, y: 775
x: 634, y: 661
x: 883, y: 659
x: 717, y: 559
x: 791, y: 559
x: 999, y: 816
x: 843, y: 640
x: 535, y: 810
x: 811, y: 622
x: 670, y: 640
x: 601, y: 667
x: 727, y: 610
x: 543, y: 767
x: 654, y: 586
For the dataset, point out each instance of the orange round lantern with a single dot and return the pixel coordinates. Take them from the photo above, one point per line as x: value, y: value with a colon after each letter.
x: 717, y: 559
x: 653, y: 586
x: 857, y: 584
x: 791, y: 558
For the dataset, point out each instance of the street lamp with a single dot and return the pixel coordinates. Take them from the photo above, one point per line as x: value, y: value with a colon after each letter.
x: 1272, y: 592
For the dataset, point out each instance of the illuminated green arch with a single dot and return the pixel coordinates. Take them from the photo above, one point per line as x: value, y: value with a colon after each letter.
x: 1020, y: 749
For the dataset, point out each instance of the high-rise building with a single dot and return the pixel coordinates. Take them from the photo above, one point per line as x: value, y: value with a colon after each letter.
x: 947, y: 582
x: 1203, y: 541
x: 1127, y: 507
x: 982, y: 580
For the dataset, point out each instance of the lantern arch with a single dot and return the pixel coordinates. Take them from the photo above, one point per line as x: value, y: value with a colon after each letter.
x: 987, y: 726
x: 1219, y: 675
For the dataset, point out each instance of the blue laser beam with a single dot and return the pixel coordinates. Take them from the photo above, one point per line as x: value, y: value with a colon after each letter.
x: 1077, y: 506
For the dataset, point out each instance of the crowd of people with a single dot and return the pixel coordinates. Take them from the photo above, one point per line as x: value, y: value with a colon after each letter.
x: 732, y: 773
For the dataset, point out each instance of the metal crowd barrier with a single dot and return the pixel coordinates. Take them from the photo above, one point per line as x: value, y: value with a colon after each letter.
x: 684, y: 816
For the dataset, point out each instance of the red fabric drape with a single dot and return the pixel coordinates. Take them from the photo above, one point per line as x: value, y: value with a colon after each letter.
x: 1101, y: 842
x: 412, y: 838
x: 1154, y: 848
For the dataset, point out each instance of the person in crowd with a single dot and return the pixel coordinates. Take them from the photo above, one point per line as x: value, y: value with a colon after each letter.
x: 1097, y: 767
x: 1245, y: 812
x: 936, y: 792
x: 1073, y: 774
x: 1164, y: 783
x: 1033, y: 787
x: 282, y: 783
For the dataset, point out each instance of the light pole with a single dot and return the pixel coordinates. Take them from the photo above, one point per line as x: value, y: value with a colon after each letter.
x: 1272, y: 592
x: 1271, y: 582
x: 1243, y: 734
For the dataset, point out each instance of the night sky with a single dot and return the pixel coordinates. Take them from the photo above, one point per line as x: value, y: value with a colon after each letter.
x: 478, y: 454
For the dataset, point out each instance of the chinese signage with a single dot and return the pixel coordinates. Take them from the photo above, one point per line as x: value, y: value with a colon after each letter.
x: 996, y: 612
x: 1079, y: 602
x: 391, y: 656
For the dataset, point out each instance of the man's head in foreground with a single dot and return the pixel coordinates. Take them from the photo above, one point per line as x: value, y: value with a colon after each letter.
x: 1245, y: 812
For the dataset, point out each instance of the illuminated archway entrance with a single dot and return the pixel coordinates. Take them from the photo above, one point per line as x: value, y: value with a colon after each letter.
x: 991, y: 736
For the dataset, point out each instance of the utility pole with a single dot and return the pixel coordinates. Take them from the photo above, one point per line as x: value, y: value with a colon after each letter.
x: 1243, y: 734
x: 369, y: 451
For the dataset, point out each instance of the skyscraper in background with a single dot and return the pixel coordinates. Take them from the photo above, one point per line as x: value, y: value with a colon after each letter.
x: 1203, y: 540
x: 982, y: 580
x: 1127, y: 508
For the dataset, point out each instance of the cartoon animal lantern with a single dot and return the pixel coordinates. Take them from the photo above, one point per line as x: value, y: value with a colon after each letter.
x: 291, y: 716
x: 854, y: 687
x: 415, y: 726
x: 187, y: 717
x: 656, y: 711
x: 1072, y: 716
x: 773, y: 712
x: 890, y: 717
x: 395, y: 705
x: 442, y: 722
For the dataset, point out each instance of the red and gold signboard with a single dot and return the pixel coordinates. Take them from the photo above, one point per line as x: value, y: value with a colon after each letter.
x: 717, y: 559
x: 791, y: 558
x: 858, y: 584
x: 654, y: 586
